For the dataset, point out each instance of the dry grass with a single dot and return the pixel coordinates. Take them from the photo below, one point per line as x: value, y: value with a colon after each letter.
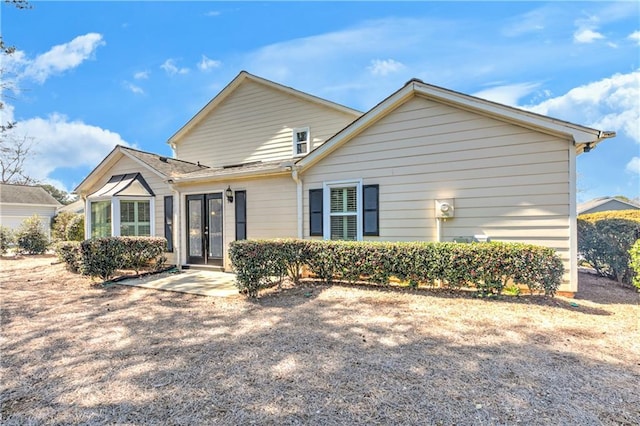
x: 74, y: 353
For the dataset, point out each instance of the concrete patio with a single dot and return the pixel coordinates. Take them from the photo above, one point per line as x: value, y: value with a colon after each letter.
x: 205, y: 283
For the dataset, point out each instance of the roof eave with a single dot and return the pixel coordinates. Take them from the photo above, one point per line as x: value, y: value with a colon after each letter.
x: 231, y: 176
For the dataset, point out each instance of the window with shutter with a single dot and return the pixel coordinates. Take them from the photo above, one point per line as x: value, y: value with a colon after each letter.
x: 344, y: 213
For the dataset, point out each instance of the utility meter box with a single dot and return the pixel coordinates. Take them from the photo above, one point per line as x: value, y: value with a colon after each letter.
x: 444, y: 208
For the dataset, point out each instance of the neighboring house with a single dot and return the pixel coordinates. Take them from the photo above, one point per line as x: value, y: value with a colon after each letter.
x: 76, y: 207
x: 604, y: 204
x: 19, y: 202
x: 262, y: 160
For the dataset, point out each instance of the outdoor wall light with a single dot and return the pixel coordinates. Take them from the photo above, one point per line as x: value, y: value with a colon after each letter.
x: 587, y: 147
x: 229, y: 194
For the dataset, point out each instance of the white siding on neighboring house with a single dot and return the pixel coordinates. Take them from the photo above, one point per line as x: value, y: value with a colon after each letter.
x: 12, y: 215
x: 271, y: 208
x: 255, y: 123
x: 156, y: 183
x: 508, y: 182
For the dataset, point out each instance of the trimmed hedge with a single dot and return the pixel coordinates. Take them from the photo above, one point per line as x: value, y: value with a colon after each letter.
x: 634, y: 263
x: 69, y: 253
x: 101, y: 257
x: 487, y: 267
x: 605, y: 238
x: 6, y: 239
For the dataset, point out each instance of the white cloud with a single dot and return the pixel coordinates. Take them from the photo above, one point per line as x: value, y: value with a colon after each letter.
x: 141, y: 75
x: 213, y: 13
x: 508, y: 94
x: 62, y: 143
x: 133, y: 88
x: 634, y: 36
x: 62, y: 57
x: 383, y: 67
x: 586, y: 36
x: 170, y: 67
x: 608, y: 104
x: 206, y: 64
x: 633, y: 166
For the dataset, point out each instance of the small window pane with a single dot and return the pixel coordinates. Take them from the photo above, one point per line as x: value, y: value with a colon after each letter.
x: 301, y: 136
x: 144, y: 211
x: 302, y: 148
x: 127, y: 230
x: 343, y: 200
x: 144, y: 231
x: 100, y: 219
x: 344, y: 227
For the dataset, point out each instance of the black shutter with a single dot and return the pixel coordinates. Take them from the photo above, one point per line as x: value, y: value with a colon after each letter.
x: 168, y: 221
x: 370, y: 217
x: 315, y: 212
x: 241, y: 215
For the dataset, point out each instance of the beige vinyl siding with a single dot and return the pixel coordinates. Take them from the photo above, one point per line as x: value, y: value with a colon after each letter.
x: 509, y: 182
x: 156, y: 183
x: 271, y: 208
x: 255, y: 123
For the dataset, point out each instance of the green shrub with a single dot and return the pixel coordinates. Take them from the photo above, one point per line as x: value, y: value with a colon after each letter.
x: 605, y: 238
x: 138, y: 252
x: 634, y: 262
x: 6, y: 239
x: 31, y: 237
x: 59, y: 225
x: 69, y: 253
x: 487, y: 267
x: 75, y: 228
x: 102, y: 257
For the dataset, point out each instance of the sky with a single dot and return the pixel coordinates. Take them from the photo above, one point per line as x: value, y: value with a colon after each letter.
x: 89, y: 75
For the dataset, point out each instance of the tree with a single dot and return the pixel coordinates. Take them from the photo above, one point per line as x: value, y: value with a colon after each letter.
x: 58, y: 194
x: 13, y: 150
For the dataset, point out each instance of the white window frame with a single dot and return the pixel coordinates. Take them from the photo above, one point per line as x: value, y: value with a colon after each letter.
x: 115, y: 213
x: 296, y: 142
x: 326, y: 205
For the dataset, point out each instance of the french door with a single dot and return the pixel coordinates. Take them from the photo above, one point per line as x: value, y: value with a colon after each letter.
x: 204, y: 229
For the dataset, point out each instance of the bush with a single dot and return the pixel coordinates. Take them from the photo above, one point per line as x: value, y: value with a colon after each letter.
x: 59, y: 225
x: 69, y: 253
x: 487, y: 267
x: 75, y: 228
x: 31, y: 237
x: 605, y: 238
x: 634, y: 262
x: 6, y: 239
x: 101, y: 257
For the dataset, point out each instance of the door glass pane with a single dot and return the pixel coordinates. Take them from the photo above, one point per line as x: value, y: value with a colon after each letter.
x: 215, y: 228
x: 195, y: 228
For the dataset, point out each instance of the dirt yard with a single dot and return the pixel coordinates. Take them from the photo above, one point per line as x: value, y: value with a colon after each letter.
x: 76, y: 353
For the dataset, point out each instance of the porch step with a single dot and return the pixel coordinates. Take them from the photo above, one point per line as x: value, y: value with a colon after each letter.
x: 204, y: 268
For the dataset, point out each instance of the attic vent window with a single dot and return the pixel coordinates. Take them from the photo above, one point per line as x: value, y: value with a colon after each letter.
x: 301, y: 141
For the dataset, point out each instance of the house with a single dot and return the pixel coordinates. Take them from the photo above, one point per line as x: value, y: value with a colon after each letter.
x: 76, y: 207
x: 604, y: 204
x: 262, y: 160
x: 19, y: 202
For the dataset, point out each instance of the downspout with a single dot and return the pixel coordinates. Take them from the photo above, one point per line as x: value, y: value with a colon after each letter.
x: 298, y: 181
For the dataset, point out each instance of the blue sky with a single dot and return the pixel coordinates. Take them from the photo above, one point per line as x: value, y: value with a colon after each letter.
x: 89, y: 75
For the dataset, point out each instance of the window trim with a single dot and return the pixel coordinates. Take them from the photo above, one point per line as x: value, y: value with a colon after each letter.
x: 326, y: 205
x: 115, y: 213
x: 296, y: 142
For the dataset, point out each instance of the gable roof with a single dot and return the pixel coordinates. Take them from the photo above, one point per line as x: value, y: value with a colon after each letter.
x: 26, y: 194
x: 583, y: 137
x: 164, y: 167
x: 233, y: 85
x: 597, y: 202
